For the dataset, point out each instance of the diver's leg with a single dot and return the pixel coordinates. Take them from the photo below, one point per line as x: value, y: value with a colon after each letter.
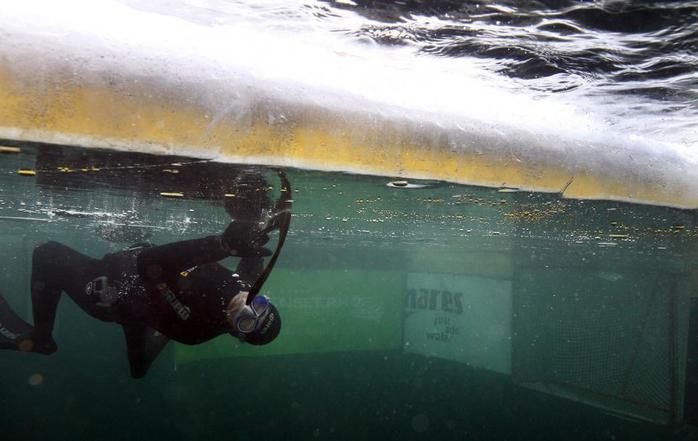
x: 143, y: 345
x: 57, y: 268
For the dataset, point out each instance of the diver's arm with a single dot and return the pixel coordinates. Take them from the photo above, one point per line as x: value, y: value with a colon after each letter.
x: 249, y: 269
x: 155, y: 264
x: 240, y: 239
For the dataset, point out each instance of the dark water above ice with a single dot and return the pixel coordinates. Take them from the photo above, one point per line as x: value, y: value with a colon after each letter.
x: 632, y: 63
x: 446, y: 312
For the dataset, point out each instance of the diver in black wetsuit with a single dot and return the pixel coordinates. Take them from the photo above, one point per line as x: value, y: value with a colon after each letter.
x: 156, y: 293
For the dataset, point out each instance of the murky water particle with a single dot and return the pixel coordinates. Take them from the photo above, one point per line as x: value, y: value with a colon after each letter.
x: 610, y: 276
x: 26, y: 345
x: 420, y: 423
x: 36, y: 379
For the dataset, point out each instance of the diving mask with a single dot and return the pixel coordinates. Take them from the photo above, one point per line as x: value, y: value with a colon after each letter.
x: 251, y: 317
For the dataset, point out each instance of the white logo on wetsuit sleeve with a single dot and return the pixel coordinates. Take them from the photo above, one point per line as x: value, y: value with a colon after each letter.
x: 182, y: 310
x: 7, y: 333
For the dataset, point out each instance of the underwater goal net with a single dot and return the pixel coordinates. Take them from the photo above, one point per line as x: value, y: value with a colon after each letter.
x: 615, y: 341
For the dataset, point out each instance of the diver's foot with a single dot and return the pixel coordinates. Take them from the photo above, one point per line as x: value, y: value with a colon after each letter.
x: 46, y: 347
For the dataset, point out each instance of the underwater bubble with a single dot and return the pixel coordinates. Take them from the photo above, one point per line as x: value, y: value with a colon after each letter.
x: 26, y: 345
x: 420, y: 423
x: 36, y: 379
x: 404, y: 184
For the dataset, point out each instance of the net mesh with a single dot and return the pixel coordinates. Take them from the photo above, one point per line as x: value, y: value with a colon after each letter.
x: 604, y: 336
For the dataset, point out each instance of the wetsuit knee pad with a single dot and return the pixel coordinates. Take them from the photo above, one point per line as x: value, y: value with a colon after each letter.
x: 51, y: 247
x: 48, y: 251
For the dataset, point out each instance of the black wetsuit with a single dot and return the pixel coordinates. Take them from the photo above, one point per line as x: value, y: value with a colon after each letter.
x: 175, y: 291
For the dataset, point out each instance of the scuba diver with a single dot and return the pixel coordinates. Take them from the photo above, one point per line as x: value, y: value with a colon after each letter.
x: 175, y: 291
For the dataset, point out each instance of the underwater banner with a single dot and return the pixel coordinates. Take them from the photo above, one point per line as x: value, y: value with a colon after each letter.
x: 461, y: 318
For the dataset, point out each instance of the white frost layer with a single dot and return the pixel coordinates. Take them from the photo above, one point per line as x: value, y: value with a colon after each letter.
x: 228, y: 67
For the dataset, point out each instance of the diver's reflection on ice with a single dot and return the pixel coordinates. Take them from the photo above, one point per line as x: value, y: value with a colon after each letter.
x: 144, y: 179
x: 174, y: 291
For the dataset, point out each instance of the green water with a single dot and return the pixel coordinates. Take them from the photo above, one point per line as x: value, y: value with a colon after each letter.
x: 446, y: 312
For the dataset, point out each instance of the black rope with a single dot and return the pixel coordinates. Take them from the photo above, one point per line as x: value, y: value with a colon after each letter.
x: 282, y: 220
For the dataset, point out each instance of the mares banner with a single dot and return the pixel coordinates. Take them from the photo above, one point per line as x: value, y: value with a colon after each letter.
x: 461, y: 318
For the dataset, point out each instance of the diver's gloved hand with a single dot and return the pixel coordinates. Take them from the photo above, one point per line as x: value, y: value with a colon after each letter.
x: 244, y: 238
